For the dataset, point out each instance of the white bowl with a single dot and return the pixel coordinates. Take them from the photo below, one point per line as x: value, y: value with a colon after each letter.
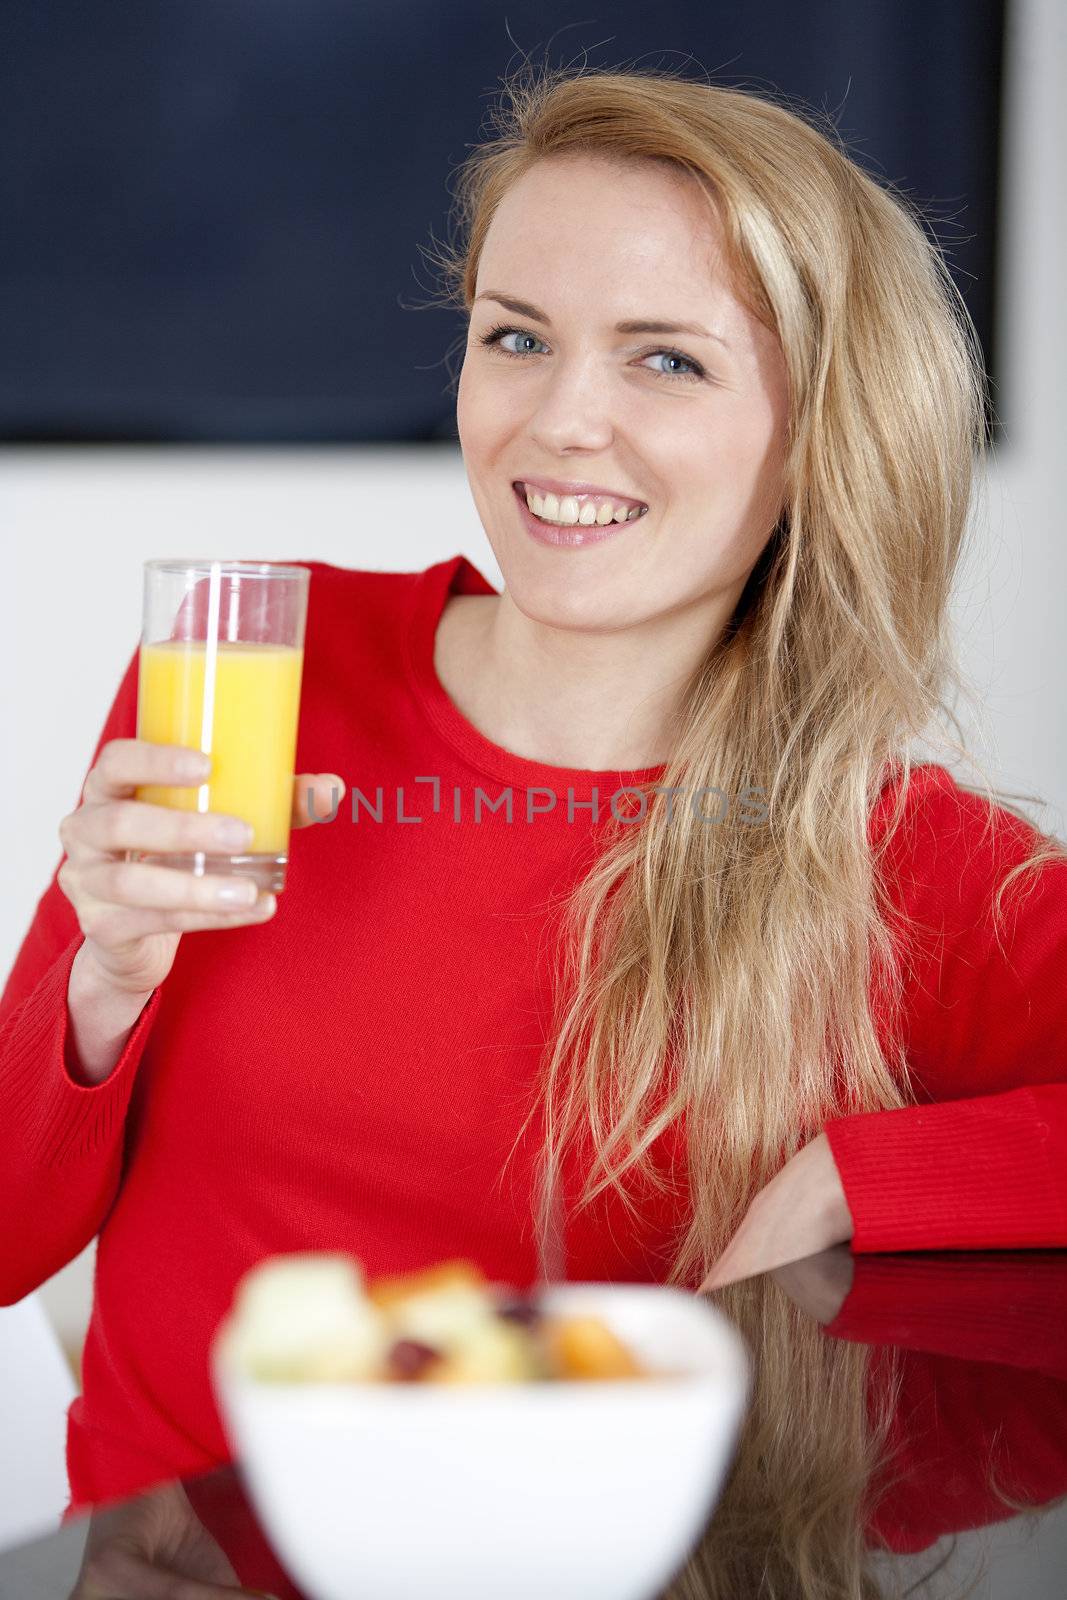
x: 565, y: 1489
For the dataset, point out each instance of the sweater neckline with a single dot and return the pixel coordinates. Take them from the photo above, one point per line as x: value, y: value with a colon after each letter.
x: 433, y: 588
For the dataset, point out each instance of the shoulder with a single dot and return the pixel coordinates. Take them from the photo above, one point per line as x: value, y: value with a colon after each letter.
x: 969, y: 879
x: 362, y: 624
x: 334, y: 586
x: 976, y: 897
x: 354, y: 606
x: 390, y: 593
x: 929, y: 826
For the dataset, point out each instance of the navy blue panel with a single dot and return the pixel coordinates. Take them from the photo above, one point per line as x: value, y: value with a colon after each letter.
x: 211, y: 210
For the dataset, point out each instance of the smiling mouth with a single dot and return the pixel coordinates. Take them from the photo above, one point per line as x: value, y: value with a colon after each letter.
x: 582, y: 510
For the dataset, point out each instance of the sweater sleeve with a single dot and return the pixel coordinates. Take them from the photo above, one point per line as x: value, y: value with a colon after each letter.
x: 980, y: 1161
x: 61, y: 1138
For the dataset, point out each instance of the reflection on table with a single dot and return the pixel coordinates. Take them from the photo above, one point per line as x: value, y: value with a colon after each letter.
x: 940, y: 1407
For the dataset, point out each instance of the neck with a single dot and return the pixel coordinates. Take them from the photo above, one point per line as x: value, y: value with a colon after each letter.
x: 599, y: 700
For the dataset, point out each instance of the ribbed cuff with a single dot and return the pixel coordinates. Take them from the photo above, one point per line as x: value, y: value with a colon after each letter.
x: 956, y: 1175
x: 56, y: 1119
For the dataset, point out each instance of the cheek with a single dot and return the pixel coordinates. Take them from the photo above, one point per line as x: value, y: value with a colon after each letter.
x: 479, y: 413
x: 737, y: 462
x: 731, y: 476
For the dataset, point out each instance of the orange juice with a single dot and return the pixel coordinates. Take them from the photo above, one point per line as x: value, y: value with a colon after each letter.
x: 248, y: 728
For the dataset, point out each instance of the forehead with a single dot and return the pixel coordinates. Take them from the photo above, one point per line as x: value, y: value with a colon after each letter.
x: 587, y: 219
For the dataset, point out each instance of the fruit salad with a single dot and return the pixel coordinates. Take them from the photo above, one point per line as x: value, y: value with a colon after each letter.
x: 313, y: 1318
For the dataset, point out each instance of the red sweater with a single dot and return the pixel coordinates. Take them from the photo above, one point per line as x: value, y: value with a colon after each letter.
x: 353, y: 1074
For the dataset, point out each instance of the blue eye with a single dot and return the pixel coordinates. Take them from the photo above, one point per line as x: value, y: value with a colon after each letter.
x: 676, y: 355
x: 499, y: 334
x: 494, y: 336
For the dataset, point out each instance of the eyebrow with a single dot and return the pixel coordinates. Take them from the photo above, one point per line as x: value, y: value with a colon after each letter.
x: 634, y: 325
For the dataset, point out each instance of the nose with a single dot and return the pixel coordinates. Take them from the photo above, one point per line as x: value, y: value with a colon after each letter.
x: 572, y: 409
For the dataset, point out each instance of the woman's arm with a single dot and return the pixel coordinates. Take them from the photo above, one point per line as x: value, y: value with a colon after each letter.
x: 981, y: 1162
x: 987, y: 1173
x: 101, y: 1019
x: 61, y: 1132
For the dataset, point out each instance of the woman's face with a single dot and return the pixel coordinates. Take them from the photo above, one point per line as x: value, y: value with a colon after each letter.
x: 699, y: 436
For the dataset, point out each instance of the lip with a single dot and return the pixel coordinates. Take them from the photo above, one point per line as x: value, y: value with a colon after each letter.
x: 558, y: 487
x: 575, y: 537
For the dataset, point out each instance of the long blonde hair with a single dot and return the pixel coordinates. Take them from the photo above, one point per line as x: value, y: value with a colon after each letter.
x: 722, y: 979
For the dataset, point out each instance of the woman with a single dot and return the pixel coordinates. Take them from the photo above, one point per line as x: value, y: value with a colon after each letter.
x: 787, y: 1013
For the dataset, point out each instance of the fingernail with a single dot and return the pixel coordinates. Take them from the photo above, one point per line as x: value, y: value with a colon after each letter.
x: 234, y: 834
x: 194, y: 764
x: 235, y: 894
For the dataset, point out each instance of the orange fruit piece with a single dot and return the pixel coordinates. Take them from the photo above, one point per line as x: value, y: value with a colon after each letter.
x: 386, y: 1292
x: 585, y: 1347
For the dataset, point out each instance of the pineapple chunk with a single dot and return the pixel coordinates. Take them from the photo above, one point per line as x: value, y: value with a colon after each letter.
x: 494, y: 1352
x: 304, y: 1318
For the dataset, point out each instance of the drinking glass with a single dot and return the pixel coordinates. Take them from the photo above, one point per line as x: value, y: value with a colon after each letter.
x: 220, y: 665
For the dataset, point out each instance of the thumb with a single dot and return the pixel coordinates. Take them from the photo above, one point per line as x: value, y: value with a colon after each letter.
x: 316, y: 795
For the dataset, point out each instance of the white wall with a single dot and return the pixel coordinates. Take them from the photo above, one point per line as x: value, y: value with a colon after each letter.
x: 76, y: 525
x: 1010, y: 601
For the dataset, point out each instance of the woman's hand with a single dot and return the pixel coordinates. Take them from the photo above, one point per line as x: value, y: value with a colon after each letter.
x: 154, y: 1548
x: 801, y: 1211
x: 132, y: 913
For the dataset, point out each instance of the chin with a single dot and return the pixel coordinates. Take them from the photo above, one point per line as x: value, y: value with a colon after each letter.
x: 556, y: 600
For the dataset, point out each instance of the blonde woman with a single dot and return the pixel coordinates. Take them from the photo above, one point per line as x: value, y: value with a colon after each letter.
x: 636, y: 946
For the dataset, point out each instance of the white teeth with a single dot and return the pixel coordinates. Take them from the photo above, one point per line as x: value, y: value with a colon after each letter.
x: 567, y: 511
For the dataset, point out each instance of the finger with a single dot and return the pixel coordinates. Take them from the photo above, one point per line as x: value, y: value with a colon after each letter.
x: 140, y: 884
x: 118, y: 924
x: 124, y: 764
x: 118, y: 825
x: 316, y: 797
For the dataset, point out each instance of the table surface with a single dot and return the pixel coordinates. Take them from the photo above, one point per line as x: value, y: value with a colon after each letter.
x: 977, y: 1344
